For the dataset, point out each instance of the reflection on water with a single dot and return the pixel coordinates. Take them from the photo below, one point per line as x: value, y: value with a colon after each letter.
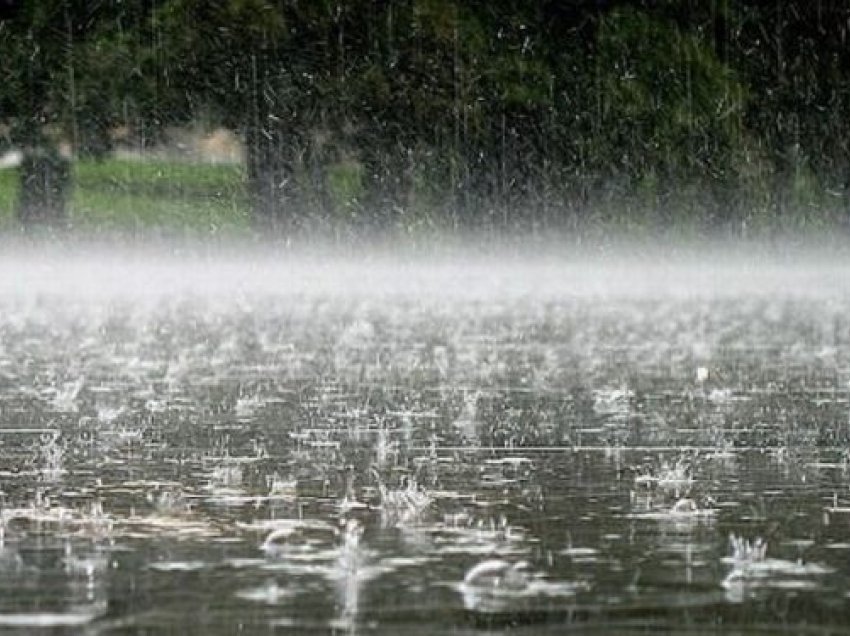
x: 291, y: 458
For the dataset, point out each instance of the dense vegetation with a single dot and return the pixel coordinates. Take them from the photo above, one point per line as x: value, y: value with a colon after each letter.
x: 716, y: 115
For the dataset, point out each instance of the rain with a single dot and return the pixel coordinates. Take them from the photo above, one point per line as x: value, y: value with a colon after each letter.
x: 423, y: 317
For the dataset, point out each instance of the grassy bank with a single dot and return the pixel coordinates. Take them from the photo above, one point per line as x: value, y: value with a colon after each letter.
x: 8, y: 194
x: 129, y: 196
x: 156, y: 197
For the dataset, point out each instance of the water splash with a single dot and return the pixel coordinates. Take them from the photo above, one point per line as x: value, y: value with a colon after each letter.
x: 402, y: 506
x: 496, y: 586
x: 746, y: 551
x: 753, y: 570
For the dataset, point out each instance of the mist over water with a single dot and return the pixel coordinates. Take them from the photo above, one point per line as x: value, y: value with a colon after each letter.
x: 389, y: 442
x: 130, y: 271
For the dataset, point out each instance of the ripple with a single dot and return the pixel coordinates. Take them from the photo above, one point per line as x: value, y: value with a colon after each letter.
x: 75, y: 618
x: 270, y: 593
x: 498, y: 585
x: 178, y: 566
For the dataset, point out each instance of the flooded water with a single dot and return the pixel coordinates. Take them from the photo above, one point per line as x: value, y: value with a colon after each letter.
x: 358, y: 448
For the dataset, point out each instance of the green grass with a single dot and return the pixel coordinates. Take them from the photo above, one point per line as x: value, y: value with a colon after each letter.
x: 8, y: 195
x: 173, y: 198
x: 139, y: 196
x: 160, y: 178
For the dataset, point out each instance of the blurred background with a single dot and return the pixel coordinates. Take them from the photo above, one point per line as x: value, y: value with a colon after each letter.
x: 424, y: 118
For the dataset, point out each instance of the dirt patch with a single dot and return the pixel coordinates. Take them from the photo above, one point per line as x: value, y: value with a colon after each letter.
x: 217, y: 146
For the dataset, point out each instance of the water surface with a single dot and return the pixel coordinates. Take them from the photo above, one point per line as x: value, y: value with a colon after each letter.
x: 373, y: 447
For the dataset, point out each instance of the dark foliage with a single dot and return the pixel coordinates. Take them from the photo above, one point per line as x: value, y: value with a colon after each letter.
x: 502, y: 115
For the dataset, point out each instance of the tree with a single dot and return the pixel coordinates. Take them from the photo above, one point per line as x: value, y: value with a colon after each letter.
x: 69, y: 72
x: 496, y: 114
x: 795, y: 58
x: 31, y: 107
x: 251, y: 65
